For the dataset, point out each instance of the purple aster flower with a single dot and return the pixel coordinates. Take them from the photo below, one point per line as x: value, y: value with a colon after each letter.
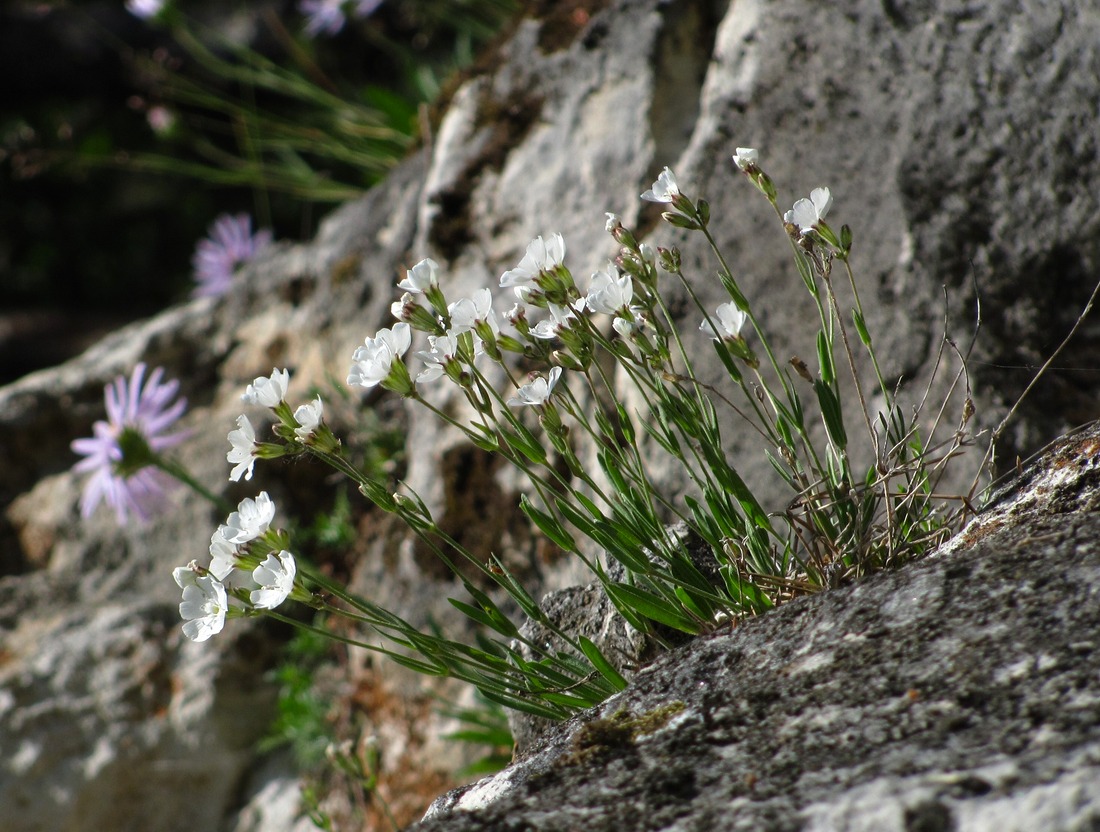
x: 229, y: 244
x: 328, y: 17
x: 322, y: 16
x: 120, y: 455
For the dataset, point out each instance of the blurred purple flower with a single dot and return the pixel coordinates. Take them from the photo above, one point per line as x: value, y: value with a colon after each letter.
x: 120, y: 455
x: 327, y: 16
x: 229, y: 244
x: 144, y: 9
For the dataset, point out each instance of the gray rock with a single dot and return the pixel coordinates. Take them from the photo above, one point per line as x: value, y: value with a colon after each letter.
x: 961, y: 693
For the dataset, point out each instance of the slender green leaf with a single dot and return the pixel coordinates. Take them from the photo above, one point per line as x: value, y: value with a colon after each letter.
x: 593, y: 654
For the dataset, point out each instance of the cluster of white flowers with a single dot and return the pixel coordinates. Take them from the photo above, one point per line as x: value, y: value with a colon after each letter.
x: 238, y: 567
x: 249, y: 562
x: 234, y: 568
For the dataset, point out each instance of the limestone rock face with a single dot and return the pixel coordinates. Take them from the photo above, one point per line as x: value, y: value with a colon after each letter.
x: 961, y: 693
x: 960, y: 143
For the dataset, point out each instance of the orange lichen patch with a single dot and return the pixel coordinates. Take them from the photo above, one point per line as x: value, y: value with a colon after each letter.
x: 563, y: 20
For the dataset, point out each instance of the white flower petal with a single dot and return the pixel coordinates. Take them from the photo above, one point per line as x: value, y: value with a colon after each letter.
x: 276, y: 579
x: 308, y: 416
x: 268, y: 391
x: 242, y: 454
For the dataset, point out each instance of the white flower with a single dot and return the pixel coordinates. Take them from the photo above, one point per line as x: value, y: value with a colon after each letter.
x: 444, y: 349
x: 398, y: 307
x: 612, y: 222
x: 276, y: 579
x: 223, y: 555
x: 243, y: 452
x: 308, y: 416
x: 664, y: 189
x: 466, y: 313
x: 250, y: 520
x: 561, y: 318
x: 372, y: 361
x: 610, y: 292
x: 809, y: 212
x: 421, y: 277
x: 541, y: 255
x: 267, y: 391
x: 730, y: 321
x: 538, y: 391
x: 744, y: 157
x: 624, y: 327
x: 204, y: 603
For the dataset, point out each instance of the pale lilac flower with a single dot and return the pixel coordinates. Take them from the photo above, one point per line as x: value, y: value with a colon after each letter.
x: 322, y: 16
x: 230, y: 243
x: 138, y: 414
x: 610, y: 292
x: 372, y: 362
x: 538, y: 391
x: 744, y: 157
x: 243, y: 453
x: 276, y: 579
x: 730, y: 321
x: 223, y: 554
x: 328, y: 16
x: 809, y: 212
x: 160, y: 119
x: 204, y: 603
x: 308, y: 416
x: 664, y: 189
x: 268, y: 391
x: 145, y: 9
x: 421, y: 277
x: 467, y: 313
x: 541, y: 255
x: 251, y: 519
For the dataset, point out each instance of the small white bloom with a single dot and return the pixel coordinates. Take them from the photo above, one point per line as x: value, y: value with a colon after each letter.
x: 372, y: 361
x: 561, y: 318
x: 744, y: 157
x: 444, y: 349
x: 398, y: 307
x: 624, y: 327
x: 538, y: 391
x: 223, y: 555
x: 612, y: 222
x: 308, y: 416
x: 276, y: 579
x: 204, y: 604
x: 610, y: 292
x: 664, y: 189
x: 243, y: 453
x: 809, y: 212
x: 251, y: 519
x: 466, y: 313
x: 541, y: 255
x: 730, y: 321
x: 421, y: 277
x: 268, y: 391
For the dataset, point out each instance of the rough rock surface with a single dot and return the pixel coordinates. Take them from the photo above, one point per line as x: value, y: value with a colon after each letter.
x: 961, y: 693
x: 959, y: 140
